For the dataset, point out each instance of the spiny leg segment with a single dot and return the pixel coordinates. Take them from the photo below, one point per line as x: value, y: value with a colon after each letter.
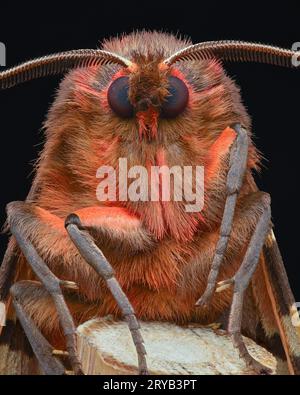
x: 241, y: 280
x: 237, y: 168
x: 53, y: 286
x: 95, y: 258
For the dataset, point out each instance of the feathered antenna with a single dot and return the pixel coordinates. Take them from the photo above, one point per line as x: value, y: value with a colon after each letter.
x: 235, y: 51
x: 58, y: 63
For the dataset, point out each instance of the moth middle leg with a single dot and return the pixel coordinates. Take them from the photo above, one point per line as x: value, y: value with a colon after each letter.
x: 26, y: 296
x: 39, y: 318
x: 241, y: 280
x: 250, y: 224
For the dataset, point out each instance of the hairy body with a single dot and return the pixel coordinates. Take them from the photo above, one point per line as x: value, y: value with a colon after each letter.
x: 161, y: 254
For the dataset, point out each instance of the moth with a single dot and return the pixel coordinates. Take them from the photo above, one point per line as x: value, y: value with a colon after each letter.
x: 155, y: 100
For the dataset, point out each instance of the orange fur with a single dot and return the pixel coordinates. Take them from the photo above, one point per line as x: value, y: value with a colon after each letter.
x: 160, y: 253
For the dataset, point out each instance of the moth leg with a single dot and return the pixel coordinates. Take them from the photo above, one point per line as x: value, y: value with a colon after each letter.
x: 95, y: 258
x: 52, y: 285
x: 7, y: 272
x: 40, y: 346
x: 237, y: 168
x: 241, y: 280
x: 9, y: 265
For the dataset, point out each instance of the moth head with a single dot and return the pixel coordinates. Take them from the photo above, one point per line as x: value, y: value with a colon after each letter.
x: 147, y: 92
x: 148, y: 88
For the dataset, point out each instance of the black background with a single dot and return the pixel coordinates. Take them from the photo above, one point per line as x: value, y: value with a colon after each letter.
x: 271, y: 94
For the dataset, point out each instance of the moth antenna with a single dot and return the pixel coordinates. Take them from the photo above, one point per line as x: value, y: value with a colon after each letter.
x: 235, y: 51
x: 58, y: 63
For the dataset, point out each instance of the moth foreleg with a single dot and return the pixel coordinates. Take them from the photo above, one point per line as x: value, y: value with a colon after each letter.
x: 50, y: 282
x: 237, y: 168
x: 95, y: 258
x: 241, y: 280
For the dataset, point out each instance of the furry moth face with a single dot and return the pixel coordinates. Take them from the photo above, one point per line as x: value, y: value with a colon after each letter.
x: 149, y: 103
x: 150, y: 114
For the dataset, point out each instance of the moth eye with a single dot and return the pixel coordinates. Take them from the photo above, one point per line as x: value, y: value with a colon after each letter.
x: 118, y: 99
x: 177, y: 99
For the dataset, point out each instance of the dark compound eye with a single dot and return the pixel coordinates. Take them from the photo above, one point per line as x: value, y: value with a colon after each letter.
x: 117, y: 96
x: 177, y: 100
